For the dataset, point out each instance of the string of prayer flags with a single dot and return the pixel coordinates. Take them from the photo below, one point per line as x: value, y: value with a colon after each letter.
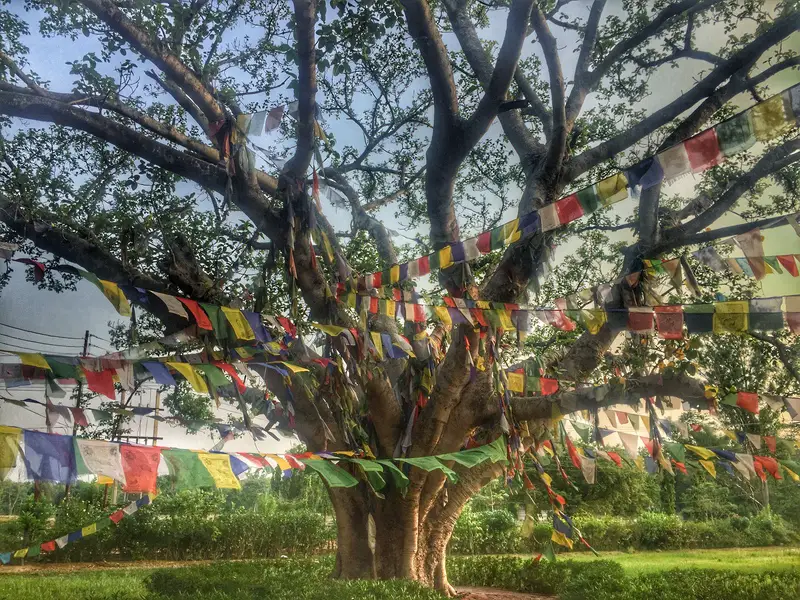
x: 763, y: 121
x: 52, y: 545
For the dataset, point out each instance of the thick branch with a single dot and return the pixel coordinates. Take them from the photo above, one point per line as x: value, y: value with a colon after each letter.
x: 579, y: 86
x: 690, y: 390
x: 155, y: 51
x: 741, y: 61
x: 305, y: 13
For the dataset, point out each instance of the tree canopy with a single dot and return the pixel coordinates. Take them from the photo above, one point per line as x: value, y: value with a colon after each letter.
x: 444, y: 117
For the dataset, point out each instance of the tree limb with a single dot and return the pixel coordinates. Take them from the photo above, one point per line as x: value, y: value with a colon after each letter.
x: 783, y: 352
x: 579, y: 87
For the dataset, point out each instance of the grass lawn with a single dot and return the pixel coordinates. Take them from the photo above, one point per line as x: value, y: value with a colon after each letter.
x: 739, y: 559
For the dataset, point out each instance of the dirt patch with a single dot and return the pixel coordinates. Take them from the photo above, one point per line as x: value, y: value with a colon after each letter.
x: 479, y: 593
x: 99, y: 566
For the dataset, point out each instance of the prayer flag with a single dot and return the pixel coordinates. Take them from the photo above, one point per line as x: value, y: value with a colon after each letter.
x: 274, y: 118
x: 199, y: 316
x: 140, y: 465
x: 588, y: 199
x: 765, y: 314
x: 219, y: 467
x: 631, y: 444
x: 669, y: 321
x: 569, y: 209
x: 32, y: 359
x: 709, y: 466
x: 49, y: 457
x: 9, y: 449
x: 190, y: 374
x: 173, y: 304
x: 674, y: 161
x: 703, y: 453
x: 116, y: 297
x: 217, y: 319
x: 703, y: 150
x: 159, y: 372
x: 99, y: 457
x: 769, y: 118
x: 793, y: 313
x: 771, y: 443
x: 187, y: 468
x: 241, y: 328
x: 101, y: 382
x: 548, y: 215
x: 747, y: 401
x: 711, y: 258
x: 735, y: 135
x: 333, y: 475
x: 770, y: 465
x: 640, y: 319
x: 731, y: 317
x: 787, y: 260
x: 612, y: 189
x: 699, y: 318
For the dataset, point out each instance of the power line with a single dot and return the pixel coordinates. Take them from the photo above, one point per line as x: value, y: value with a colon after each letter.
x: 24, y: 348
x: 63, y: 337
x: 13, y: 337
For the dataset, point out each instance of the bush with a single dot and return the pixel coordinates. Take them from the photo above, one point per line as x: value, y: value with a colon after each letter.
x: 606, y: 580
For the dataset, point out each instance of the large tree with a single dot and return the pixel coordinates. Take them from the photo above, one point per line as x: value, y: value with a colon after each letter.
x: 131, y: 179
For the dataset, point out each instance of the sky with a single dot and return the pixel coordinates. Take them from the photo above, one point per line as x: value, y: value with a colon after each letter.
x: 70, y: 314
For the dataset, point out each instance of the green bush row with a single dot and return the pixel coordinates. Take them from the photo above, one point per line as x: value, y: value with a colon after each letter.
x: 190, y: 525
x: 498, y: 532
x: 606, y: 580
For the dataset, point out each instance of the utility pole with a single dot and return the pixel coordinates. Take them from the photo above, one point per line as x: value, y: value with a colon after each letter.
x: 78, y: 398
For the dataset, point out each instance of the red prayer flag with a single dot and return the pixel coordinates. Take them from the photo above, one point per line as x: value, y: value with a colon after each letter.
x: 548, y: 386
x: 680, y: 466
x: 747, y: 401
x: 140, y: 465
x: 101, y: 382
x: 573, y: 453
x: 419, y: 313
x: 622, y: 417
x: 615, y: 457
x: 569, y: 209
x: 640, y: 322
x: 669, y: 322
x: 377, y: 279
x: 200, y: 317
x: 703, y: 150
x: 373, y: 305
x: 234, y: 375
x: 48, y: 546
x: 648, y: 443
x: 787, y: 260
x: 424, y: 265
x: 38, y: 268
x: 79, y: 416
x: 117, y: 516
x: 769, y: 464
x: 485, y: 242
x: 287, y: 325
x: 759, y: 469
x: 770, y: 441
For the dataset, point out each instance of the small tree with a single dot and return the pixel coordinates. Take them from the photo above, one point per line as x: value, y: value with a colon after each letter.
x: 132, y: 181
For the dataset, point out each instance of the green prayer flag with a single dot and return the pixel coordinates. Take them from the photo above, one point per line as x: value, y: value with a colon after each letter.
x: 34, y: 551
x: 61, y: 370
x: 583, y: 430
x: 215, y: 375
x: 373, y: 471
x: 188, y: 469
x: 547, y: 552
x: 497, y: 238
x: 433, y: 261
x: 588, y: 199
x: 430, y: 463
x: 400, y: 479
x: 736, y: 134
x: 677, y: 450
x: 333, y: 475
x: 730, y: 399
x: 103, y: 523
x: 218, y: 320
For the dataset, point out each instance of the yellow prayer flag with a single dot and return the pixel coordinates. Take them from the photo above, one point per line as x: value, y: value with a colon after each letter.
x: 21, y: 553
x: 319, y: 132
x: 511, y: 232
x: 32, y: 359
x: 190, y: 374
x: 104, y: 480
x: 89, y: 530
x: 241, y: 328
x: 445, y: 257
x: 730, y: 434
x: 391, y: 308
x: 292, y: 367
x: 731, y: 317
x: 377, y: 343
x: 505, y: 320
x: 560, y: 539
x: 709, y: 466
x: 613, y: 189
x: 794, y: 476
x: 701, y: 452
x: 332, y: 330
x: 594, y: 319
x: 444, y: 316
x: 394, y: 274
x: 219, y: 467
x: 769, y: 118
x: 639, y: 462
x: 516, y: 382
x: 116, y: 297
x: 350, y: 300
x: 548, y: 481
x: 9, y: 449
x: 283, y: 464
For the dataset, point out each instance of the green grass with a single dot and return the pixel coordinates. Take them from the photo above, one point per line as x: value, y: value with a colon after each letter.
x: 739, y: 559
x: 112, y: 584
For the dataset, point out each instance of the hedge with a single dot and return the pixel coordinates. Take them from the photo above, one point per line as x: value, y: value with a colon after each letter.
x: 606, y: 580
x: 498, y: 532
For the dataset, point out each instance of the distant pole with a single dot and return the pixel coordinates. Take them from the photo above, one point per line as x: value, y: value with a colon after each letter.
x: 78, y: 398
x: 155, y: 421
